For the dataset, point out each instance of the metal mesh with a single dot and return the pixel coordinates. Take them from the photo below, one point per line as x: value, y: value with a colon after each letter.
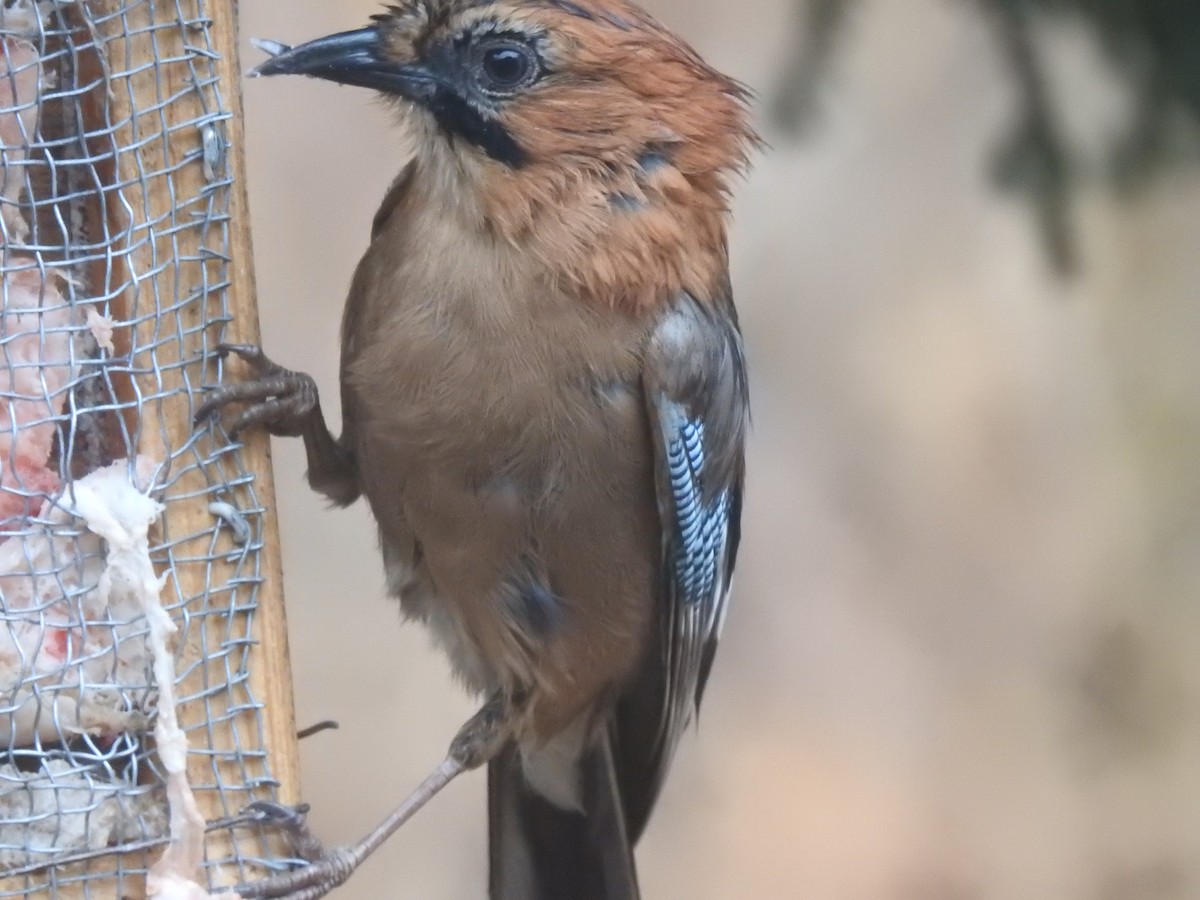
x: 114, y: 213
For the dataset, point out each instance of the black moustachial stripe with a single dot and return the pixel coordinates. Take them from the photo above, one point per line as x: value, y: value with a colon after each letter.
x: 458, y: 117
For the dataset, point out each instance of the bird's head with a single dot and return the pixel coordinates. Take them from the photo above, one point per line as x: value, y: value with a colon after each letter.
x: 581, y: 131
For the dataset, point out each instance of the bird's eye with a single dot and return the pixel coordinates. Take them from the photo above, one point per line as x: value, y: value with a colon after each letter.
x: 507, y: 65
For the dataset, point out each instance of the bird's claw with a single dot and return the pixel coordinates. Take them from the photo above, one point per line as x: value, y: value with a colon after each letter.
x: 275, y: 398
x: 293, y: 820
x: 268, y: 812
x: 315, y: 880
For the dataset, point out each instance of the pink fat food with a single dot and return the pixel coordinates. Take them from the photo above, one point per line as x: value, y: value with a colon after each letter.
x: 20, y: 83
x: 36, y: 366
x: 36, y: 363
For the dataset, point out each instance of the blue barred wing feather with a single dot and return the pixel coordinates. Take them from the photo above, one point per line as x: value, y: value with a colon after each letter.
x: 695, y: 386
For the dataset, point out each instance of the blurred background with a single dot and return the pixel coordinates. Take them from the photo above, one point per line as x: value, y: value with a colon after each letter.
x: 963, y: 659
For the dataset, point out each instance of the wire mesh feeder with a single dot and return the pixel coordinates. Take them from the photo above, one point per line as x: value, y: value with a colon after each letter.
x: 119, y: 275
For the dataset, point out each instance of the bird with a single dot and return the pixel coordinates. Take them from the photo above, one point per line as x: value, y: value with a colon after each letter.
x: 544, y: 402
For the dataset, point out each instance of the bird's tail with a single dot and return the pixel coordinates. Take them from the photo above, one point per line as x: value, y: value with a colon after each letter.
x: 539, y: 851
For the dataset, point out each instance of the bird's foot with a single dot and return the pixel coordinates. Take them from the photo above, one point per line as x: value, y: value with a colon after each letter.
x: 293, y: 822
x: 278, y: 399
x: 324, y: 872
x: 315, y: 880
x: 479, y: 740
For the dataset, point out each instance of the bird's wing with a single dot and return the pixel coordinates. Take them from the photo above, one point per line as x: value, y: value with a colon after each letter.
x: 695, y: 384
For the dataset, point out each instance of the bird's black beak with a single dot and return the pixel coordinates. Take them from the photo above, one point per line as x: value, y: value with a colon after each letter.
x: 352, y: 57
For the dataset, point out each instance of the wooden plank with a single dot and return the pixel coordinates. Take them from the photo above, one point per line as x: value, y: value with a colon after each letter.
x: 168, y: 258
x: 270, y: 672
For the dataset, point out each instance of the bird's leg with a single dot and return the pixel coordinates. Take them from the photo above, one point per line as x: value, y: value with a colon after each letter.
x: 287, y: 404
x: 483, y: 736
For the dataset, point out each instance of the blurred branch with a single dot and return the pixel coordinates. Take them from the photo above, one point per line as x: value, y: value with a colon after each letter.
x: 1034, y: 160
x: 816, y: 26
x: 1153, y: 44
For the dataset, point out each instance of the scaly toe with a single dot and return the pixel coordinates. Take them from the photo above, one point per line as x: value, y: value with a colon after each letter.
x: 314, y: 880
